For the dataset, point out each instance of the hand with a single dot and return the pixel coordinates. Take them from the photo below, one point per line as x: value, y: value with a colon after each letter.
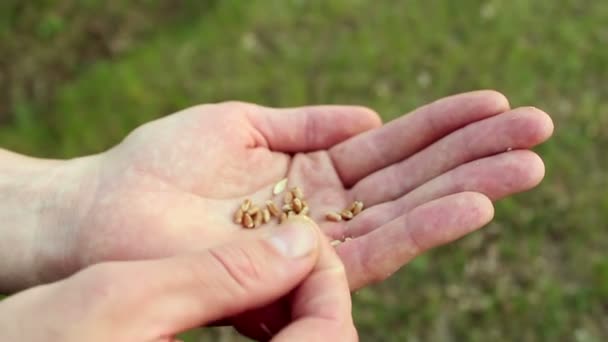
x: 157, y: 299
x: 173, y: 185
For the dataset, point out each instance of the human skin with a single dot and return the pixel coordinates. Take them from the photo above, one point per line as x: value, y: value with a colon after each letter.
x: 172, y: 185
x: 155, y: 300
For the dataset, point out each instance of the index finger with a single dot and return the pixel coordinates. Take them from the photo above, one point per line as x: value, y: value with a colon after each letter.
x: 321, y: 307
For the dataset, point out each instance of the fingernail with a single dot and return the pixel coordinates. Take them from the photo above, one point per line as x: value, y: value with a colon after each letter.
x: 295, y: 238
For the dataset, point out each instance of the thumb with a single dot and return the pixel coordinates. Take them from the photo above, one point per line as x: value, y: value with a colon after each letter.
x: 190, y: 291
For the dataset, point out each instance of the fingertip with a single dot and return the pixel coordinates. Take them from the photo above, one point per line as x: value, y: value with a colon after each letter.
x: 535, y: 123
x: 544, y: 123
x: 527, y: 168
x: 371, y: 116
x: 482, y: 205
x: 354, y: 119
x: 488, y: 100
x: 497, y: 99
x: 297, y: 238
x: 536, y: 169
x: 466, y: 210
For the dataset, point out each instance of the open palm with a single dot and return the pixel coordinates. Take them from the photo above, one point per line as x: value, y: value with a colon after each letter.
x: 173, y: 185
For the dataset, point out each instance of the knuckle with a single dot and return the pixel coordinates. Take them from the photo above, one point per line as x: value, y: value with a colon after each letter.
x: 372, y: 271
x: 368, y: 265
x: 497, y: 96
x: 102, y: 284
x: 414, y: 239
x: 375, y: 276
x: 193, y: 269
x: 240, y: 266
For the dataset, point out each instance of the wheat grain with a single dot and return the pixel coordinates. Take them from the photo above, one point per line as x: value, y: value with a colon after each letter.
x: 356, y: 207
x: 288, y: 198
x: 297, y: 193
x: 334, y: 217
x: 257, y: 219
x: 297, y: 205
x: 246, y: 204
x: 247, y: 221
x: 274, y: 210
x: 346, y: 214
x: 279, y: 187
x: 238, y: 216
x: 265, y: 215
x: 253, y: 210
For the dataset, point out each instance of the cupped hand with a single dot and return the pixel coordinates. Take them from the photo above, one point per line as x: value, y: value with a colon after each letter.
x: 154, y: 300
x: 427, y: 178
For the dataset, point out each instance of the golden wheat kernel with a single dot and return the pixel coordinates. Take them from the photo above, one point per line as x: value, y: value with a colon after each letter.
x: 287, y: 207
x: 335, y: 243
x: 238, y: 216
x: 247, y: 221
x: 254, y: 209
x: 265, y: 215
x: 257, y: 219
x: 304, y: 210
x: 283, y: 217
x: 297, y: 205
x: 334, y: 217
x: 297, y: 192
x: 357, y: 207
x: 288, y: 198
x: 280, y: 186
x: 346, y: 214
x: 246, y: 204
x: 272, y: 207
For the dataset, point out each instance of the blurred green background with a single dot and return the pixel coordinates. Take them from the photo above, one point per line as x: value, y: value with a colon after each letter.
x: 77, y: 75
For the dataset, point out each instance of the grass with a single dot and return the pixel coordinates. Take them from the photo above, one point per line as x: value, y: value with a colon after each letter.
x: 539, y: 272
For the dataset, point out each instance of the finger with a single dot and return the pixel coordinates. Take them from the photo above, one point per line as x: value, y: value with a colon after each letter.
x: 321, y: 308
x: 375, y: 256
x: 518, y: 129
x: 376, y: 149
x: 321, y: 305
x: 312, y: 128
x: 496, y: 177
x: 185, y: 292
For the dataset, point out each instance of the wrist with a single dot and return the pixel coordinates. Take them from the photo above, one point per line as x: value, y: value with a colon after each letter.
x: 41, y: 202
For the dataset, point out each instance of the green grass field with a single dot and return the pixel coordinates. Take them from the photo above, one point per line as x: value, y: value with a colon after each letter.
x: 76, y: 76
